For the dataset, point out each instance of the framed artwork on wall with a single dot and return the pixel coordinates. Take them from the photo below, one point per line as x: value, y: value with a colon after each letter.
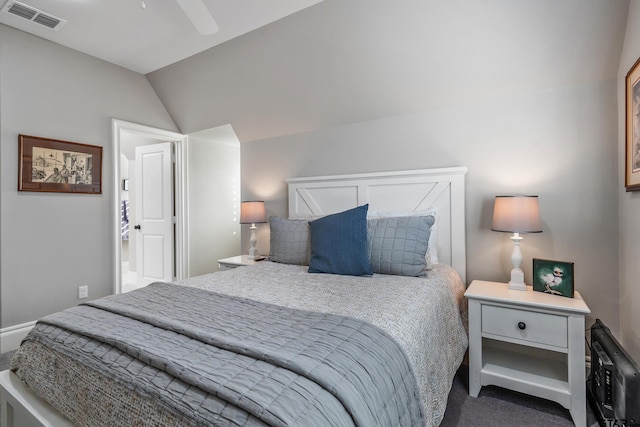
x: 553, y: 277
x: 632, y: 132
x: 49, y: 165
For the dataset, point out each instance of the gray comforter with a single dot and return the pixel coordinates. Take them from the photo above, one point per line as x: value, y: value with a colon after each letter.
x: 216, y: 359
x: 427, y: 316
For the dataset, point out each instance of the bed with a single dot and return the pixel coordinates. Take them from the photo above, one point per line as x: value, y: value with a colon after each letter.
x: 271, y: 344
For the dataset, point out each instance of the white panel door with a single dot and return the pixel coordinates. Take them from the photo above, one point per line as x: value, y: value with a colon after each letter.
x: 154, y: 213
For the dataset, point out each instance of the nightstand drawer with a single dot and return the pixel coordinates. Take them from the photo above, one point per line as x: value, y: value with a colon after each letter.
x: 542, y: 328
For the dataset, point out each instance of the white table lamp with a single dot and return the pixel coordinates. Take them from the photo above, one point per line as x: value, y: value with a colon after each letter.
x: 516, y: 214
x: 252, y: 213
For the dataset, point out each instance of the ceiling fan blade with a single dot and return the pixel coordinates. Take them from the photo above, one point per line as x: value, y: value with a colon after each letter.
x: 199, y: 15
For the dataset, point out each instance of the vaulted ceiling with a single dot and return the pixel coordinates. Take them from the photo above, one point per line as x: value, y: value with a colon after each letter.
x: 342, y: 62
x: 281, y: 67
x: 144, y: 39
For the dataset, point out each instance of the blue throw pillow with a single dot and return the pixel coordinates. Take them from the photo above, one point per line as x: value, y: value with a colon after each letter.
x: 339, y: 243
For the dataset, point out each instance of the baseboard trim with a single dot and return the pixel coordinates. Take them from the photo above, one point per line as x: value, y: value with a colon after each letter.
x: 11, y: 337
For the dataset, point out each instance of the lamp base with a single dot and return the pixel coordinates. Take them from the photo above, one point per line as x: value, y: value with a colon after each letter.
x: 517, y: 280
x: 517, y: 286
x: 254, y: 253
x: 517, y: 275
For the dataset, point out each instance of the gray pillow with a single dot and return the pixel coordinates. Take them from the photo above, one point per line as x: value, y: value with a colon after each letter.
x: 398, y: 245
x: 290, y: 242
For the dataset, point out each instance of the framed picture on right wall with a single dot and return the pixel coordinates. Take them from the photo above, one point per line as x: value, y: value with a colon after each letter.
x: 632, y: 124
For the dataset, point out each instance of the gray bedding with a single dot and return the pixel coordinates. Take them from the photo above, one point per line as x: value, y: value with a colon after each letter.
x: 217, y: 378
x: 426, y: 316
x: 295, y: 368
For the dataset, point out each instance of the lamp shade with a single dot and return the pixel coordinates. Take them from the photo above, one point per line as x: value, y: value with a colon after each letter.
x: 516, y: 214
x: 252, y: 213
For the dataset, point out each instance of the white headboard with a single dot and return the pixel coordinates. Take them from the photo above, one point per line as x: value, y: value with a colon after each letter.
x: 403, y: 191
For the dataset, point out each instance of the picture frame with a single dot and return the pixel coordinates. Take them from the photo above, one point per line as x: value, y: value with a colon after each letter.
x: 632, y: 128
x: 51, y: 165
x: 553, y: 277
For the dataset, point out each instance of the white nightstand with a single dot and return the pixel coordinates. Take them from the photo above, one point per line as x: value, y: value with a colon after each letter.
x: 530, y: 342
x: 235, y: 262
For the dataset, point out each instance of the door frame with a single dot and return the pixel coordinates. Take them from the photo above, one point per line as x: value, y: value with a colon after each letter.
x: 180, y: 194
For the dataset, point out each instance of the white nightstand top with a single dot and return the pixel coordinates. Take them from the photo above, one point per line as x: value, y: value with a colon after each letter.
x: 499, y: 292
x: 240, y: 260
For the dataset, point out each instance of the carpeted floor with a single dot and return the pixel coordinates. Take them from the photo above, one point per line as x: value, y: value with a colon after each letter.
x: 499, y: 407
x: 495, y: 407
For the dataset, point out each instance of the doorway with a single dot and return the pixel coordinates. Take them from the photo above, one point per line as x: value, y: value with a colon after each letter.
x: 126, y: 136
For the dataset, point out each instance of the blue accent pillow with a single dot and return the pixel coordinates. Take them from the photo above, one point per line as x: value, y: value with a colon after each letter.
x: 339, y: 243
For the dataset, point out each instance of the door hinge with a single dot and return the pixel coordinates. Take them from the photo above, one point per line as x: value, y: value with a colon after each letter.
x: 175, y: 220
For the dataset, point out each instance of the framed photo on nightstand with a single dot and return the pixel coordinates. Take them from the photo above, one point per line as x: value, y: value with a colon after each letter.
x: 553, y: 277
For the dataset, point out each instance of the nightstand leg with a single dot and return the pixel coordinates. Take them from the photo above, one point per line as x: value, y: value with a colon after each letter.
x: 577, y: 368
x: 475, y: 348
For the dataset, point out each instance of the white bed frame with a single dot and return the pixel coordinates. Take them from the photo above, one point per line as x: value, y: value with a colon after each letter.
x: 405, y: 191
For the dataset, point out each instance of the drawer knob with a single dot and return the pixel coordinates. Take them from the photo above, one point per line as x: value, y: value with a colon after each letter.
x: 522, y: 326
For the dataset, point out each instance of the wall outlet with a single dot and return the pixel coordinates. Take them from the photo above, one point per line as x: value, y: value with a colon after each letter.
x: 83, y: 292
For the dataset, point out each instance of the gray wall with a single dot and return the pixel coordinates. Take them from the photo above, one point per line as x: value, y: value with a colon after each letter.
x: 214, y: 198
x: 629, y: 203
x: 523, y: 93
x: 53, y: 243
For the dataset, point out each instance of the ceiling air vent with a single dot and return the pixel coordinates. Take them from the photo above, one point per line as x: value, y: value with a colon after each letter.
x: 32, y: 14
